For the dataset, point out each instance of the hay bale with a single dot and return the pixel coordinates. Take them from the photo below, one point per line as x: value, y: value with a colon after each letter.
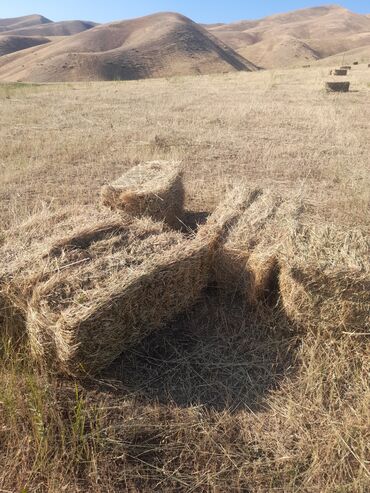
x: 245, y: 259
x: 340, y: 71
x: 28, y: 254
x: 85, y: 315
x: 154, y: 189
x: 325, y: 279
x: 346, y: 67
x: 337, y: 86
x: 355, y: 63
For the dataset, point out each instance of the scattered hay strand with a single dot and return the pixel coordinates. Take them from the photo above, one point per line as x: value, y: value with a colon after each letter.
x: 337, y: 86
x: 325, y: 279
x: 154, y: 189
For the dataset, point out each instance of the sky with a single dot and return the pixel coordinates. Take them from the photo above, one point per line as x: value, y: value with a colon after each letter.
x: 207, y: 11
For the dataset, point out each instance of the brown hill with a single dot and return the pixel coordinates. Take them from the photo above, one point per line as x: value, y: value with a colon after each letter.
x: 360, y: 54
x: 63, y: 28
x: 22, y: 22
x: 11, y: 44
x: 296, y: 37
x: 159, y: 45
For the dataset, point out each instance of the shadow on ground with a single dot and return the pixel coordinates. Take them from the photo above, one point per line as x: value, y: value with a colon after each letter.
x: 221, y: 355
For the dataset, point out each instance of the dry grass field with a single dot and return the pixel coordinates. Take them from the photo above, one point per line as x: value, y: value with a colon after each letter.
x: 226, y: 398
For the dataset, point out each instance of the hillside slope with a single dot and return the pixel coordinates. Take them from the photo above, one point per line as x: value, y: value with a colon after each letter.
x: 360, y: 54
x: 158, y: 45
x: 296, y: 37
x: 63, y: 28
x: 11, y: 44
x: 22, y: 22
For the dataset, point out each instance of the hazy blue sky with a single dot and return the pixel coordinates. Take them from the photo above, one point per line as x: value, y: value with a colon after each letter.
x: 198, y: 10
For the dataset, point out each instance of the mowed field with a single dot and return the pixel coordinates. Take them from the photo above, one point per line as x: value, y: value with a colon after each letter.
x: 225, y: 398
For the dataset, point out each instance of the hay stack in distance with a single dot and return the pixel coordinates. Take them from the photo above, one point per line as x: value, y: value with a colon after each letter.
x: 340, y: 71
x: 154, y: 189
x: 325, y: 280
x: 112, y: 292
x: 337, y: 86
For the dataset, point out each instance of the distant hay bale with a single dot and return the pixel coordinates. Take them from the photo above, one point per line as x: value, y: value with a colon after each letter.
x: 246, y: 259
x: 340, y: 71
x: 346, y: 67
x: 355, y: 63
x: 108, y: 295
x: 325, y: 280
x: 154, y: 189
x: 27, y: 257
x: 337, y: 86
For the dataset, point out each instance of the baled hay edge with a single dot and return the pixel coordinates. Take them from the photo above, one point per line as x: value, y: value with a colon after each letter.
x: 338, y: 302
x: 124, y: 315
x: 161, y: 198
x: 32, y: 259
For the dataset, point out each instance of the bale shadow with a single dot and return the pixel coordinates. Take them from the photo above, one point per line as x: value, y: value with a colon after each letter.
x: 221, y: 355
x: 192, y: 220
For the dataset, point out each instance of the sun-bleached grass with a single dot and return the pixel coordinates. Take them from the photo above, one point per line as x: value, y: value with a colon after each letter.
x: 225, y: 398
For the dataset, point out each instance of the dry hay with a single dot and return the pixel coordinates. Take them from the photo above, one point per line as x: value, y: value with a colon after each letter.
x: 154, y: 188
x: 114, y: 292
x: 246, y: 258
x: 337, y: 86
x: 325, y: 279
x: 340, y: 71
x: 25, y: 256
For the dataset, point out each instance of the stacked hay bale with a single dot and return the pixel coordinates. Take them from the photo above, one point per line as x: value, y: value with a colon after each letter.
x: 154, y: 189
x: 92, y: 285
x: 325, y: 279
x: 130, y: 284
x: 246, y: 259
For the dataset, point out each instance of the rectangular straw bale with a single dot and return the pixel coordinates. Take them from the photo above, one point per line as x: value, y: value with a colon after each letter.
x: 247, y: 259
x: 325, y: 279
x: 28, y: 254
x: 154, y: 189
x: 81, y: 319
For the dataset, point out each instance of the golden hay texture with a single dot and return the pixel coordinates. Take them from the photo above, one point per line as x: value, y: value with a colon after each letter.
x: 118, y: 289
x: 325, y: 279
x: 26, y: 256
x: 247, y: 257
x: 154, y: 188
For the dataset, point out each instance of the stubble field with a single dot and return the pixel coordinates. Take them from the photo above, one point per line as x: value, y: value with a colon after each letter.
x: 225, y: 398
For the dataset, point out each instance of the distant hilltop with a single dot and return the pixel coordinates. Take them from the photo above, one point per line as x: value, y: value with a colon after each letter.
x: 34, y: 48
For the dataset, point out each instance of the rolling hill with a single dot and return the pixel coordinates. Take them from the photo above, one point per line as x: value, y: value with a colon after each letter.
x: 63, y: 28
x: 23, y: 22
x: 296, y: 37
x: 10, y: 43
x: 159, y: 45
